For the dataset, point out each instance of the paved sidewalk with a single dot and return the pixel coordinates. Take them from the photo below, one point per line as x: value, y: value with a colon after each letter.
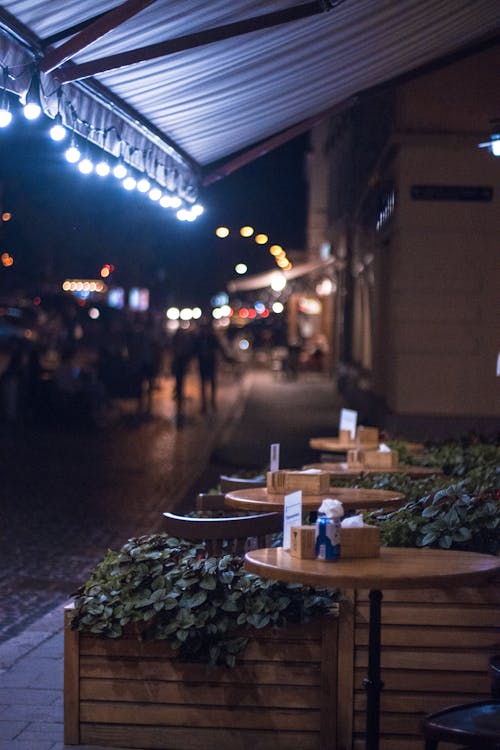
x: 31, y: 663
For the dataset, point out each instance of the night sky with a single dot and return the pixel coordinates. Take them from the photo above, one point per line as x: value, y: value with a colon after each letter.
x: 65, y: 224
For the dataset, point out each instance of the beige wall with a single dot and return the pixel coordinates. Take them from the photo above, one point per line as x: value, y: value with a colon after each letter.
x: 444, y: 287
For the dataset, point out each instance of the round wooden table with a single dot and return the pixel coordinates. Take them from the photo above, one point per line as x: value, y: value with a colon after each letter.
x: 341, y: 470
x: 352, y: 498
x: 396, y: 568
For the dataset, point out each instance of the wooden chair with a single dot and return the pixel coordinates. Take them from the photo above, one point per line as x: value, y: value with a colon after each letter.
x: 473, y: 726
x: 231, y: 534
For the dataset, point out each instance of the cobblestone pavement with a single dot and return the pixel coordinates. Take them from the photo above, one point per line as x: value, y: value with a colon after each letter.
x: 66, y: 494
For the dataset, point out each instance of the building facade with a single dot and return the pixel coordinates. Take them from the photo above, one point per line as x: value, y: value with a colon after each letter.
x: 410, y: 209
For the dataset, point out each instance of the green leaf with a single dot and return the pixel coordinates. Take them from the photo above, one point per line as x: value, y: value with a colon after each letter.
x: 208, y: 582
x: 194, y: 600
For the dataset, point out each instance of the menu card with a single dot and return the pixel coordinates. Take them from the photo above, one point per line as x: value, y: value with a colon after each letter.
x: 348, y: 421
x: 274, y: 461
x: 292, y: 516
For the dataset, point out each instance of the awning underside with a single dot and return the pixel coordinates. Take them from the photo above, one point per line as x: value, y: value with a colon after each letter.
x: 185, y: 112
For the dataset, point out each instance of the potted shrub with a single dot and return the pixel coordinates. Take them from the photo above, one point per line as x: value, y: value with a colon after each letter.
x: 168, y: 648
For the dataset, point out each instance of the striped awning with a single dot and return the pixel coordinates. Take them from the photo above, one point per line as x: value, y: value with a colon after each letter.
x: 182, y: 89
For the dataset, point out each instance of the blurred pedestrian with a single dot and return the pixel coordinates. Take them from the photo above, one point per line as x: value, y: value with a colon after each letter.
x: 182, y: 353
x: 206, y: 349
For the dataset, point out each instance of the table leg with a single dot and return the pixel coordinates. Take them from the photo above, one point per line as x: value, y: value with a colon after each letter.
x: 372, y: 683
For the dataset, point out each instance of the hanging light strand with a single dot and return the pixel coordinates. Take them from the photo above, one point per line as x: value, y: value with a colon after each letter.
x: 165, y: 181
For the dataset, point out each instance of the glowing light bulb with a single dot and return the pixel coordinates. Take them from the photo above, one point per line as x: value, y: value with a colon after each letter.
x: 5, y: 117
x: 129, y: 183
x: 58, y: 131
x: 120, y: 170
x: 143, y: 185
x: 102, y: 168
x: 32, y: 110
x: 86, y: 166
x: 222, y: 232
x: 155, y: 194
x: 73, y: 154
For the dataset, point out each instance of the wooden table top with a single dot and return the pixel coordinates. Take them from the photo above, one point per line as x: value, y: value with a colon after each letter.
x: 353, y: 498
x: 336, y: 445
x: 341, y: 470
x: 396, y: 568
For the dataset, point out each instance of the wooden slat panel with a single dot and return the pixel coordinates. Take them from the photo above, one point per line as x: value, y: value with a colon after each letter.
x: 407, y: 724
x: 195, y: 739
x: 271, y: 674
x: 434, y: 615
x: 211, y: 694
x: 131, y: 644
x: 328, y: 687
x: 451, y: 661
x: 413, y: 702
x: 345, y: 660
x: 435, y: 637
x: 306, y: 651
x: 482, y: 594
x: 398, y: 742
x: 155, y: 714
x: 427, y: 681
x: 435, y: 651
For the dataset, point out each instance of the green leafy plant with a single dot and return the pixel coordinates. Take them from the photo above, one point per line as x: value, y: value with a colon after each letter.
x: 456, y: 516
x: 206, y: 607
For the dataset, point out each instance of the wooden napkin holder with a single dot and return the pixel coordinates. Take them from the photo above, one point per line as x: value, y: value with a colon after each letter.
x: 367, y: 435
x: 361, y: 541
x: 372, y: 459
x: 317, y: 483
x: 303, y: 542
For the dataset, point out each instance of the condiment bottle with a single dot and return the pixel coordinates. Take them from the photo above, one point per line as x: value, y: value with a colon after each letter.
x: 328, y: 524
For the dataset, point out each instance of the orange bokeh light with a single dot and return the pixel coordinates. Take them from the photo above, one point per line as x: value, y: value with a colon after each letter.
x: 261, y: 239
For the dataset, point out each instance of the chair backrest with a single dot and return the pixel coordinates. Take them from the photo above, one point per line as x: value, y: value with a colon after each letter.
x: 235, y: 534
x: 228, y: 484
x: 212, y: 501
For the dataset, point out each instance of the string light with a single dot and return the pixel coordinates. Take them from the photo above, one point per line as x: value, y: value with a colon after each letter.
x: 58, y: 131
x: 181, y: 190
x: 32, y: 108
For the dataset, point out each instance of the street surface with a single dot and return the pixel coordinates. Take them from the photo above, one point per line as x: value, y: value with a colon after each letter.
x: 68, y: 494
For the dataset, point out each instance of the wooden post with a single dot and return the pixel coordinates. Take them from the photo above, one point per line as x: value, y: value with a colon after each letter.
x: 71, y: 681
x: 345, y: 657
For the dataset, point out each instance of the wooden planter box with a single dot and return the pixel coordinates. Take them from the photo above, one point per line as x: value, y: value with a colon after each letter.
x: 436, y: 646
x: 131, y: 694
x: 300, y: 688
